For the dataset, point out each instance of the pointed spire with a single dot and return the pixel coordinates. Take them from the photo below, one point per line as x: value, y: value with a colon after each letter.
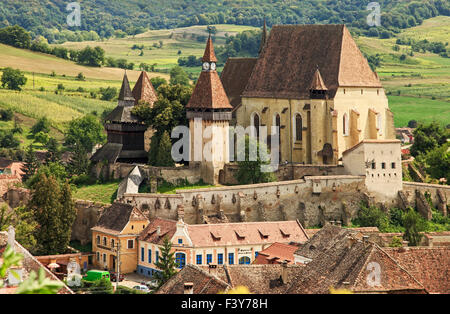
x: 209, y: 55
x: 317, y: 81
x: 125, y: 91
x: 263, y: 36
x: 144, y: 90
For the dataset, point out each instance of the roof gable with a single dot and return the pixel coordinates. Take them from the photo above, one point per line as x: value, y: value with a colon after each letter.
x: 115, y: 218
x: 292, y: 55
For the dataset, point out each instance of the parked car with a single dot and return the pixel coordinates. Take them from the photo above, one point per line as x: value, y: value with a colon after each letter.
x: 113, y: 276
x: 94, y: 275
x: 142, y: 288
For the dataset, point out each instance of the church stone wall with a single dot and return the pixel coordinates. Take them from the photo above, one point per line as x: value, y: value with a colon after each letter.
x: 312, y: 200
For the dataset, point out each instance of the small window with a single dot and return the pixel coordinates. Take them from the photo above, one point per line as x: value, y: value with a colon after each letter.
x: 220, y: 258
x: 104, y: 241
x: 104, y: 258
x: 256, y: 254
x: 208, y: 258
x: 199, y: 259
x: 130, y: 244
x: 98, y: 256
x: 156, y: 256
x: 142, y: 254
x: 298, y: 127
x: 383, y: 165
x: 180, y: 241
x: 132, y: 227
x: 393, y: 165
x: 149, y: 256
x: 112, y: 243
x: 98, y: 239
x: 374, y: 165
x: 230, y: 258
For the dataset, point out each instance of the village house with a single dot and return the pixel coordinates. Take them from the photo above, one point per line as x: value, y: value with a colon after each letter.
x: 336, y: 258
x: 28, y: 264
x: 219, y: 244
x: 277, y: 253
x: 116, y: 232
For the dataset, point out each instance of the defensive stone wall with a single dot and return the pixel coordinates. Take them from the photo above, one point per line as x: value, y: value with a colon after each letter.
x: 312, y: 200
x: 419, y: 194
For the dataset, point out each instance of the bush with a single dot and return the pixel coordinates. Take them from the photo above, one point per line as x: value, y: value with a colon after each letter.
x: 13, y: 79
x: 6, y: 114
x: 42, y: 125
x: 108, y: 93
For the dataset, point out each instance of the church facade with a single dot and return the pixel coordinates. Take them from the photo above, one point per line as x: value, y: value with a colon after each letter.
x: 314, y: 84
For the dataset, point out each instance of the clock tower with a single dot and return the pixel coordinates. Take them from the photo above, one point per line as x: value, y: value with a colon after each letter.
x: 209, y: 114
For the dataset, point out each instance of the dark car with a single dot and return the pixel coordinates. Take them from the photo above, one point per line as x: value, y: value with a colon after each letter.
x: 113, y: 276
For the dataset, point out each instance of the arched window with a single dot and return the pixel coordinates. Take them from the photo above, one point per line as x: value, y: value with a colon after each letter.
x: 345, y: 124
x: 380, y: 123
x: 277, y: 123
x: 180, y: 259
x: 255, y: 122
x: 244, y: 260
x: 298, y: 127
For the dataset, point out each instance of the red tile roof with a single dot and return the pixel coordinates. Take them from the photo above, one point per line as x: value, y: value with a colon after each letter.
x: 144, y: 90
x: 167, y: 229
x: 293, y: 53
x: 246, y: 233
x: 276, y: 253
x: 209, y: 93
x: 209, y: 55
x: 317, y: 82
x: 429, y: 265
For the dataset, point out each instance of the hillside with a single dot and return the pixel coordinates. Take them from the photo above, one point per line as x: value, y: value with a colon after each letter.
x: 48, y: 17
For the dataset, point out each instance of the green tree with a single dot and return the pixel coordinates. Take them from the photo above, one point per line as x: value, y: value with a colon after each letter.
x: 88, y: 131
x: 166, y: 263
x: 42, y: 125
x: 51, y: 169
x: 108, y: 93
x: 54, y: 214
x: 427, y: 137
x: 31, y: 163
x: 53, y: 150
x: 164, y: 156
x: 5, y: 217
x: 153, y: 151
x: 251, y: 171
x: 79, y: 162
x: 25, y: 226
x: 15, y: 36
x: 396, y: 242
x: 413, y: 227
x: 372, y: 217
x: 91, y: 56
x: 178, y: 76
x: 41, y: 137
x: 437, y: 162
x: 102, y: 286
x: 13, y: 79
x: 158, y: 81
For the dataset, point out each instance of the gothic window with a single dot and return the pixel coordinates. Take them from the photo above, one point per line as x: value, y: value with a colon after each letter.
x: 256, y: 123
x: 345, y: 124
x: 298, y: 127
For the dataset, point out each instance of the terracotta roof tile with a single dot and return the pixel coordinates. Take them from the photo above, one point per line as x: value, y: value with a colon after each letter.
x: 144, y: 90
x: 278, y: 252
x: 209, y: 93
x: 167, y: 228
x: 429, y: 265
x: 209, y: 55
x: 246, y: 233
x: 292, y: 54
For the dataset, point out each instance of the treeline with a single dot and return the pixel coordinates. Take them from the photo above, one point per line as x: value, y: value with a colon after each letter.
x: 425, y: 45
x: 121, y: 18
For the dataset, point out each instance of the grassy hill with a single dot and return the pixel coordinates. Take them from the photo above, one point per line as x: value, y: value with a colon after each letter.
x: 418, y: 87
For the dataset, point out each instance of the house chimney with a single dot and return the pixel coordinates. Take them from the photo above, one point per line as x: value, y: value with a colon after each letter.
x: 350, y: 242
x: 188, y: 288
x: 339, y: 223
x: 158, y: 231
x: 212, y: 268
x: 365, y: 239
x: 284, y: 274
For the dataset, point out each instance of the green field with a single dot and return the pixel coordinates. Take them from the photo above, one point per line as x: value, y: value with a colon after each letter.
x: 102, y: 193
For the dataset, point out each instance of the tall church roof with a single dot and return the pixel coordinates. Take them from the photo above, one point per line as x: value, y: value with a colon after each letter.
x: 293, y: 53
x: 235, y: 76
x: 144, y: 90
x: 209, y: 55
x: 263, y: 37
x: 317, y: 82
x: 209, y: 92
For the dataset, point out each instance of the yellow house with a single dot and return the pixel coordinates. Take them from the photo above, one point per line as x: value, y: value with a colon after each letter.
x: 315, y: 85
x: 116, y: 232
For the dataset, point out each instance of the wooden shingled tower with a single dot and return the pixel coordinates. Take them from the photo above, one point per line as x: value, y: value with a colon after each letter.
x: 126, y: 132
x: 209, y: 113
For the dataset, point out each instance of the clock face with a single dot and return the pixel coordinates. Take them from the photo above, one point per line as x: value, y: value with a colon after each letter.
x: 205, y: 66
x: 213, y: 66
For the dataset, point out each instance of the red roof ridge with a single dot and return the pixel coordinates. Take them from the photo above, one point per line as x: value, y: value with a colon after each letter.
x: 144, y: 90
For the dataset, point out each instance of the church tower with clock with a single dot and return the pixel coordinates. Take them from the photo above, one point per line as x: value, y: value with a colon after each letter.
x: 209, y: 114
